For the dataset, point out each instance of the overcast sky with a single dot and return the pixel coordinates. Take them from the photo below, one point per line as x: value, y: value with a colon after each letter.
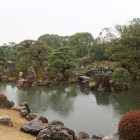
x: 28, y: 19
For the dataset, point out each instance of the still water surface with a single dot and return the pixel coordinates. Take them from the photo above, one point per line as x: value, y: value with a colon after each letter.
x: 80, y: 110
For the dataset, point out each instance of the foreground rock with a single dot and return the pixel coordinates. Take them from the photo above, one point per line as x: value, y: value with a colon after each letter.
x: 56, y: 131
x: 32, y: 128
x: 97, y: 136
x: 58, y: 123
x: 5, y: 119
x: 111, y: 137
x: 43, y: 119
x: 4, y: 102
x: 83, y: 135
x: 24, y: 109
x: 25, y: 104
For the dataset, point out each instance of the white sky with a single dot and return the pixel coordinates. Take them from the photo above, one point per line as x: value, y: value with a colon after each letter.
x: 28, y: 19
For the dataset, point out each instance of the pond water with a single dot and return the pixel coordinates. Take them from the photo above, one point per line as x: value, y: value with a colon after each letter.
x: 80, y: 110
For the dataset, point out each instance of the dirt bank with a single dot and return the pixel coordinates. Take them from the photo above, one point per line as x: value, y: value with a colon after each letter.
x: 13, y: 133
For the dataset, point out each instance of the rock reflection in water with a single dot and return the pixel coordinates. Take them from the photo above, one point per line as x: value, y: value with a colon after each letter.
x: 40, y: 98
x: 80, y: 110
x: 122, y: 101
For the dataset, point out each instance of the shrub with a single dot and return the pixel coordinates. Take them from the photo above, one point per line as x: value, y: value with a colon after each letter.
x: 120, y: 76
x: 4, y: 102
x: 129, y: 126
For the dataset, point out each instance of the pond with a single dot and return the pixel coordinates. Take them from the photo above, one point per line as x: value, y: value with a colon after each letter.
x: 80, y: 110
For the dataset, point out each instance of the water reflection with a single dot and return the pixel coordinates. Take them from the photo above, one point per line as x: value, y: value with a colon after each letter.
x: 79, y: 109
x: 40, y: 98
x: 122, y: 101
x: 3, y: 86
x: 102, y: 98
x: 125, y: 101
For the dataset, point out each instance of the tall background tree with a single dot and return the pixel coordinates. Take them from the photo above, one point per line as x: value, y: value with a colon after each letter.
x: 8, y: 50
x: 126, y: 49
x: 54, y: 41
x: 124, y: 46
x: 2, y: 55
x: 81, y: 43
x: 33, y: 53
x: 63, y: 59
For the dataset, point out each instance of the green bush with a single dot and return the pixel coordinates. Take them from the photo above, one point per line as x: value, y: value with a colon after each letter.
x: 120, y: 76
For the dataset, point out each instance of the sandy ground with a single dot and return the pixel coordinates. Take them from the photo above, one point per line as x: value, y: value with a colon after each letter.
x: 13, y: 133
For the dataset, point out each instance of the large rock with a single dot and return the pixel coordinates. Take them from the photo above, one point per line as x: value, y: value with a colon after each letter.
x: 57, y: 132
x: 107, y: 138
x: 32, y: 128
x: 25, y: 104
x: 31, y: 75
x: 20, y: 75
x: 4, y: 78
x: 111, y: 137
x: 83, y: 135
x: 97, y: 136
x: 5, y: 119
x: 25, y: 110
x: 102, y: 82
x: 55, y: 122
x: 43, y: 119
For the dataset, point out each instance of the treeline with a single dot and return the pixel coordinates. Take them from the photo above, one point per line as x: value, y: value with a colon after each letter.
x: 118, y: 44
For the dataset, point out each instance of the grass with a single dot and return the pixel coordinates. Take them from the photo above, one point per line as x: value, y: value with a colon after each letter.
x: 14, y: 133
